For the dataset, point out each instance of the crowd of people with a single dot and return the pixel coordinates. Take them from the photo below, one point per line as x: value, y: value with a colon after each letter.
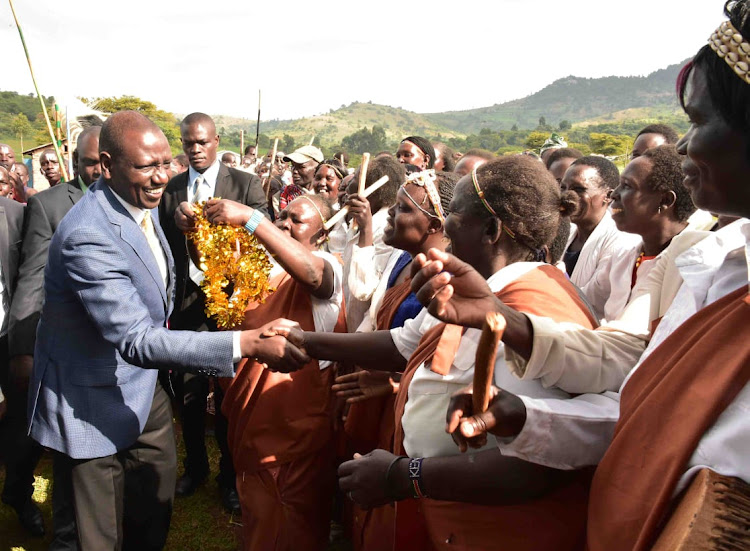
x: 345, y: 397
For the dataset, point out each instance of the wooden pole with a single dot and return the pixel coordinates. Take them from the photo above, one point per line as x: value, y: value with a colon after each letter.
x: 242, y: 144
x: 257, y: 126
x: 369, y: 191
x: 363, y: 173
x: 267, y: 184
x: 312, y: 140
x: 60, y: 159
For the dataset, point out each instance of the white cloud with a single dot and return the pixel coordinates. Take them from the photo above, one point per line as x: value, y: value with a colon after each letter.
x: 310, y: 57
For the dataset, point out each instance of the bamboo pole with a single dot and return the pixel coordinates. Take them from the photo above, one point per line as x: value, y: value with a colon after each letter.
x: 60, y: 159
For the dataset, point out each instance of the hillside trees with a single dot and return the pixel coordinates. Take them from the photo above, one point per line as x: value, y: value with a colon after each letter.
x: 364, y: 140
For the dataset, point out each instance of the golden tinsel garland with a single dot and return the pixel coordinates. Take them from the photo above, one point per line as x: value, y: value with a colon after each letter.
x: 229, y: 255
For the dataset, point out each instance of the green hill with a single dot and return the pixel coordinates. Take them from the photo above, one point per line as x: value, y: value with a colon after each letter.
x: 333, y: 126
x: 574, y: 99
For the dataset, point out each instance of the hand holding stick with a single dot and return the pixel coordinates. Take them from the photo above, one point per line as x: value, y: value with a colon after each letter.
x: 344, y: 210
x: 484, y: 364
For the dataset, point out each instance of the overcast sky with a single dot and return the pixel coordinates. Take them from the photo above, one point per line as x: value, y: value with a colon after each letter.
x: 309, y: 57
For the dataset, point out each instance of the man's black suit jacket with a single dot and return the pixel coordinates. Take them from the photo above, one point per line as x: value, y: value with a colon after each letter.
x: 44, y: 212
x: 11, y: 232
x: 245, y: 188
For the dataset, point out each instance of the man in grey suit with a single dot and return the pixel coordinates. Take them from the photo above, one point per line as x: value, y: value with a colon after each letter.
x: 94, y: 395
x: 206, y: 177
x: 44, y: 213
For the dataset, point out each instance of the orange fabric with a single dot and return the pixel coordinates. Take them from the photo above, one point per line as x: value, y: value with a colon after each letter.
x: 665, y: 408
x: 543, y: 291
x: 556, y: 521
x: 280, y: 433
x: 288, y: 508
x: 370, y: 425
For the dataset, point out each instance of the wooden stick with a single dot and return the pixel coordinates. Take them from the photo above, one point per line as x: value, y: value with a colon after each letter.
x: 267, y: 185
x: 60, y: 159
x: 257, y: 126
x: 242, y: 145
x: 312, y: 139
x: 369, y: 191
x: 484, y: 364
x: 363, y: 173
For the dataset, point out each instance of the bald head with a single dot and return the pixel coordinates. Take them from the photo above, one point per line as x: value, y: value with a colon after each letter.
x: 86, y: 155
x: 467, y: 164
x: 112, y: 136
x: 7, y: 156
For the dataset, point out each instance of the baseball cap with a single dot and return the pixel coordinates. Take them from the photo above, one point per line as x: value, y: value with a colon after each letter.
x: 304, y: 154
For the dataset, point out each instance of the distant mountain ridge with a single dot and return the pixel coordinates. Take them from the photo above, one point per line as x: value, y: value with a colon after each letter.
x: 573, y: 99
x: 580, y: 101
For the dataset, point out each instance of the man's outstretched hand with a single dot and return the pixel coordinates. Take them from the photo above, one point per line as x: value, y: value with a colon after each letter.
x: 504, y: 417
x: 451, y: 289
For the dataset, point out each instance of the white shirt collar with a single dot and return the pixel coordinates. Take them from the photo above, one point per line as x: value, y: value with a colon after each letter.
x: 209, y: 175
x: 136, y: 213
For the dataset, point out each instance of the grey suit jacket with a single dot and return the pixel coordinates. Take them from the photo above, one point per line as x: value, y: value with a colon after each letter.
x: 44, y: 212
x: 104, y: 321
x: 189, y: 310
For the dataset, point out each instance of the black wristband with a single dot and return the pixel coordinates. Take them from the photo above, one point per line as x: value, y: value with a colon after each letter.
x: 415, y: 475
x: 388, y: 487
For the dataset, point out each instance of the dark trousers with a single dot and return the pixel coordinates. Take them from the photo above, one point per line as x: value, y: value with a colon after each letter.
x: 20, y: 452
x: 124, y: 501
x: 192, y: 394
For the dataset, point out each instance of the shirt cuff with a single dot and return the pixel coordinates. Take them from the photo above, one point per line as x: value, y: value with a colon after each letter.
x: 236, y: 349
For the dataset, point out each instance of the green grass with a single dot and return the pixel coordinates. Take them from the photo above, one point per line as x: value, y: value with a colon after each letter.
x: 198, y: 523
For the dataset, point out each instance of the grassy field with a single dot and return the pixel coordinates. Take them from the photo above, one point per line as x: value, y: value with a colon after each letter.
x: 198, y: 523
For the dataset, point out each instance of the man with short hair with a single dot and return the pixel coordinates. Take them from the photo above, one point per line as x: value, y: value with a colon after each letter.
x: 229, y: 159
x: 7, y: 156
x: 179, y: 164
x: 45, y: 211
x: 50, y: 167
x: 96, y: 398
x: 206, y: 177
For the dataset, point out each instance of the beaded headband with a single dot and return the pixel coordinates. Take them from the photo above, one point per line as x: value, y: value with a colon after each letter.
x: 426, y: 179
x: 336, y: 169
x: 729, y: 44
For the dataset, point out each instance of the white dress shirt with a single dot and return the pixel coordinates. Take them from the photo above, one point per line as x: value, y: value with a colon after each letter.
x: 591, y: 273
x: 430, y: 392
x: 569, y: 434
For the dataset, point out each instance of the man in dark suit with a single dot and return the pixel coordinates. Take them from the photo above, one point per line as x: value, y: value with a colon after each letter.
x: 206, y: 177
x: 94, y: 395
x: 44, y: 212
x: 15, y: 445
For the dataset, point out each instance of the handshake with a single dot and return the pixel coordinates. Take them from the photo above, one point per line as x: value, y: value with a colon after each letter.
x: 278, y: 345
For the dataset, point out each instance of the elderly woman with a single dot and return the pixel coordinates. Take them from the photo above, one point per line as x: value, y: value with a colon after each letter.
x: 415, y: 225
x: 501, y: 218
x: 652, y: 202
x: 280, y: 427
x: 683, y: 407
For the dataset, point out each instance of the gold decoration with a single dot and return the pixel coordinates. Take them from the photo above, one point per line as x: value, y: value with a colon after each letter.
x: 229, y: 255
x: 730, y: 45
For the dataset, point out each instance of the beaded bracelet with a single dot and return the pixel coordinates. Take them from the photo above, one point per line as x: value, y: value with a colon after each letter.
x: 255, y: 219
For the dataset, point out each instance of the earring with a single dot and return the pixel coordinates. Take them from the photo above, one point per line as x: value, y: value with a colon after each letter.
x: 659, y: 209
